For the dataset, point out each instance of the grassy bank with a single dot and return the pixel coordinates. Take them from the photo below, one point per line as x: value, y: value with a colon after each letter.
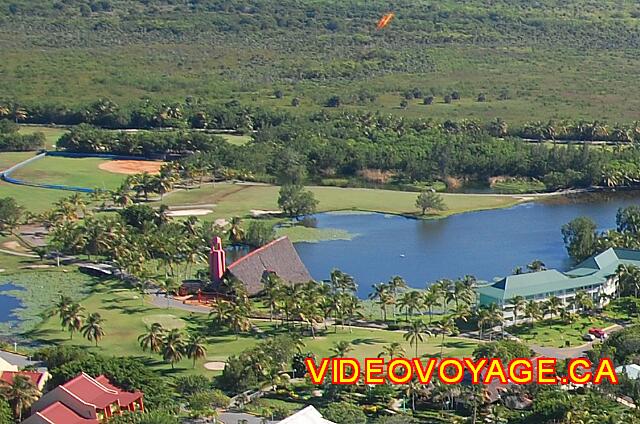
x: 230, y: 200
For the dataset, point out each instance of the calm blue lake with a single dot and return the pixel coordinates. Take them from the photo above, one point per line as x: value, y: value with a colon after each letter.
x: 8, y: 303
x: 486, y: 244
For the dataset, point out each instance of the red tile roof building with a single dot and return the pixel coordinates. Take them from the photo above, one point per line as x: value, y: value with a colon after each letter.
x: 38, y: 379
x: 84, y: 400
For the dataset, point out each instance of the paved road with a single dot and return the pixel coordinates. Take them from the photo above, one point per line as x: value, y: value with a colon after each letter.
x: 20, y: 360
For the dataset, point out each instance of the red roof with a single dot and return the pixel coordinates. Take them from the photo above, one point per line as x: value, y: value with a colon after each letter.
x: 33, y: 376
x: 58, y: 413
x: 126, y: 398
x: 90, y: 391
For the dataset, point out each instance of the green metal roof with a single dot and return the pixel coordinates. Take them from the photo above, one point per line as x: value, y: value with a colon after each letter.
x: 594, y: 270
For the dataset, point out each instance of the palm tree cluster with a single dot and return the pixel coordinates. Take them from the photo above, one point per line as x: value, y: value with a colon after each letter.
x: 553, y: 307
x: 581, y: 130
x: 72, y: 319
x: 139, y: 235
x: 172, y: 344
x: 313, y: 302
x: 233, y: 313
x: 450, y: 296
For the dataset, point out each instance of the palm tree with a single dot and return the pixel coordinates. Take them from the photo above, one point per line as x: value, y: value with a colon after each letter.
x: 411, y: 302
x: 429, y: 300
x: 173, y: 347
x: 272, y: 289
x: 583, y: 301
x: 152, y: 339
x: 392, y: 350
x: 72, y: 318
x: 445, y: 328
x: 412, y: 389
x: 236, y: 232
x: 395, y: 284
x: 21, y: 394
x: 342, y: 282
x: 518, y: 304
x: 628, y: 278
x: 92, y: 329
x: 532, y: 311
x: 459, y: 293
x: 536, y: 266
x: 384, y: 298
x: 340, y: 349
x: 553, y: 305
x: 195, y: 348
x: 416, y: 334
x: 62, y: 306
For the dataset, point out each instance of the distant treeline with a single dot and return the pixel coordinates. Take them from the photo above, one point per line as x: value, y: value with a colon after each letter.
x: 232, y: 115
x: 145, y: 115
x: 335, y: 144
x: 87, y: 139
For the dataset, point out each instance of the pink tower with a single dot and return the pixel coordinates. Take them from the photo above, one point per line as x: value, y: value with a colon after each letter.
x: 217, y: 258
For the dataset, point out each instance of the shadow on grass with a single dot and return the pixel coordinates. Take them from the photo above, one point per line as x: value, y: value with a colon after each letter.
x: 369, y: 341
x: 458, y: 344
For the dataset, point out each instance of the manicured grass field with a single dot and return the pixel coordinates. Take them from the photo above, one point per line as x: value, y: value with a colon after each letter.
x: 8, y: 159
x: 554, y: 333
x: 51, y: 134
x: 81, y: 172
x: 235, y: 199
x: 32, y: 198
x: 126, y: 316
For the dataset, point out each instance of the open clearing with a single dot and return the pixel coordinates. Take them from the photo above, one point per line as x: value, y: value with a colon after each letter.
x: 131, y: 167
x: 238, y: 140
x: 51, y: 134
x: 77, y: 172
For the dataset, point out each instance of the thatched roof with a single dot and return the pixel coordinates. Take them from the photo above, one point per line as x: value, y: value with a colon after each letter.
x: 279, y: 256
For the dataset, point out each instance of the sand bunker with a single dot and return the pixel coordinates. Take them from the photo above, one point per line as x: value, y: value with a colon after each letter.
x: 215, y: 366
x: 13, y: 245
x: 190, y: 212
x: 130, y: 167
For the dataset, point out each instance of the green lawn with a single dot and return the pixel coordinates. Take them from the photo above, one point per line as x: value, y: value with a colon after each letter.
x: 554, y: 333
x: 238, y: 140
x: 238, y: 200
x: 8, y: 159
x: 51, y: 134
x: 126, y: 317
x: 81, y: 172
x: 32, y: 198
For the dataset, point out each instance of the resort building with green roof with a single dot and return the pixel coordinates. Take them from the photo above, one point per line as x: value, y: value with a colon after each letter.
x: 595, y: 276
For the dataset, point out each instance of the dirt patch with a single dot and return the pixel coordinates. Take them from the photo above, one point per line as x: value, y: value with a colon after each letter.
x: 14, y: 245
x: 215, y: 365
x: 131, y: 167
